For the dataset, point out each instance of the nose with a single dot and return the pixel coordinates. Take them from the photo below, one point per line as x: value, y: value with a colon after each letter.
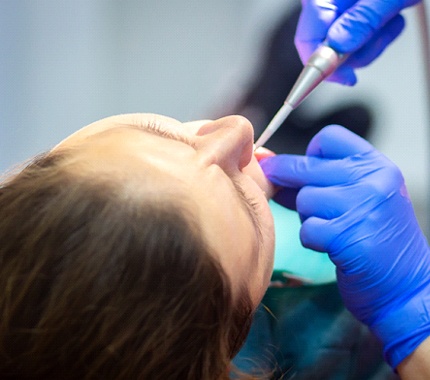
x: 227, y: 142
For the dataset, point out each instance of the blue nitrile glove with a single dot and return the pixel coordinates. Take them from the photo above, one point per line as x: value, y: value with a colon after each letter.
x: 361, y: 27
x: 354, y: 205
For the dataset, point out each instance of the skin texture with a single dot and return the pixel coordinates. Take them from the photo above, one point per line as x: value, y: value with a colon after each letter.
x: 210, y: 162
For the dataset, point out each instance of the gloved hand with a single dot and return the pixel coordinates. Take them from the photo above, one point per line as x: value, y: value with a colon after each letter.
x: 361, y: 27
x: 354, y: 205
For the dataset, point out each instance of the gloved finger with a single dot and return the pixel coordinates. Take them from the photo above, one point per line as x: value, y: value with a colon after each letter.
x: 358, y: 24
x: 317, y: 234
x: 313, y: 25
x: 344, y: 75
x: 326, y: 202
x: 315, y: 19
x: 314, y: 22
x: 294, y: 171
x: 335, y: 141
x: 339, y: 6
x: 363, y: 195
x: 365, y: 217
x: 367, y: 174
x: 286, y: 197
x: 333, y: 236
x: 378, y: 43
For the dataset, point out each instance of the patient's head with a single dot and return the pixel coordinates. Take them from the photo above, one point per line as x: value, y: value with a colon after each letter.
x: 137, y: 248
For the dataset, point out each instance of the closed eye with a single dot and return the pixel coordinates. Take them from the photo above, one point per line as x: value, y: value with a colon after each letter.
x: 251, y: 205
x: 154, y: 128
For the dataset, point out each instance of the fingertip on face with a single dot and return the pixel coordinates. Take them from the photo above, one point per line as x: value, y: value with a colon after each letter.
x: 263, y: 152
x: 268, y: 188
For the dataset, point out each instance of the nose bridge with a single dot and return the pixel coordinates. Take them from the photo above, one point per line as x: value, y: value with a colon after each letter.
x: 227, y: 142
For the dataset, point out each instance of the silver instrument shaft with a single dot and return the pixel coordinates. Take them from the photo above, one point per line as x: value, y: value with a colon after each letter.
x: 322, y: 63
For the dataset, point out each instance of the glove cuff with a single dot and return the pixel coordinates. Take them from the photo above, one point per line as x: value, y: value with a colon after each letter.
x: 401, y: 331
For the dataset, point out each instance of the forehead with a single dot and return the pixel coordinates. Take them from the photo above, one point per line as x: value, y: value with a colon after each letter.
x: 142, y: 163
x: 133, y: 157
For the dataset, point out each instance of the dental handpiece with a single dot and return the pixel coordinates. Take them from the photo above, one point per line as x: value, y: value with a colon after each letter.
x: 322, y: 63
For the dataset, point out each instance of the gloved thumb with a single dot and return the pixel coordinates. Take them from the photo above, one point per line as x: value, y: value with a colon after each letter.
x: 336, y: 142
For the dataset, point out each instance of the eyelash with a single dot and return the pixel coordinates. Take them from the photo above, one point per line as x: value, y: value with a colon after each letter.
x: 251, y: 202
x: 154, y: 126
x: 254, y: 205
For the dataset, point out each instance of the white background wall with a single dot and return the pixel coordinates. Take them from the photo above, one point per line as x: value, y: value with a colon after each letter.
x: 64, y: 64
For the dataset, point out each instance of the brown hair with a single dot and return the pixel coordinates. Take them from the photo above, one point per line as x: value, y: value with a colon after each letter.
x: 96, y: 284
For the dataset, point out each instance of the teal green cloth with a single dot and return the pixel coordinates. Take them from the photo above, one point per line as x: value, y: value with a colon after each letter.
x: 291, y: 256
x: 305, y: 333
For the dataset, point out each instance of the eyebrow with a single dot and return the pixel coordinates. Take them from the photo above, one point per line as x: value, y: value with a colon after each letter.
x: 153, y: 128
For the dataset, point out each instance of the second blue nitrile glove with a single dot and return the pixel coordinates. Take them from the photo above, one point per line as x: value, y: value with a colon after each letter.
x: 354, y: 205
x: 361, y: 27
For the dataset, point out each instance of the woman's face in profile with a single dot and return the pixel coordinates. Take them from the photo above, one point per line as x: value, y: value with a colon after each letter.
x: 210, y: 162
